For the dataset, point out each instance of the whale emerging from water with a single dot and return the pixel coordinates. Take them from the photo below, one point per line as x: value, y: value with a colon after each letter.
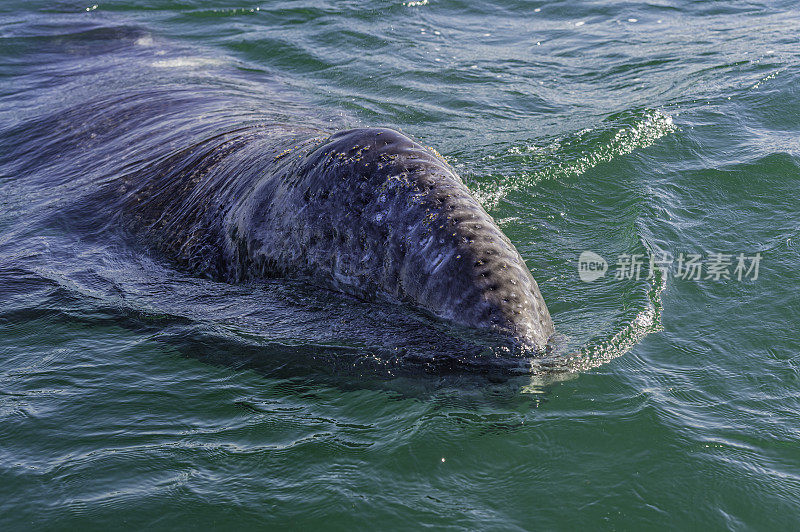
x: 366, y: 211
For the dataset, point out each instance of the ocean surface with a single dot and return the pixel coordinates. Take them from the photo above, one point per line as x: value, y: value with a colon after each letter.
x: 643, y: 157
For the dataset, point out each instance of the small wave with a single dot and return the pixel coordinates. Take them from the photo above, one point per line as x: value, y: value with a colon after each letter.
x: 647, y: 321
x: 653, y: 126
x: 767, y: 78
x: 645, y: 132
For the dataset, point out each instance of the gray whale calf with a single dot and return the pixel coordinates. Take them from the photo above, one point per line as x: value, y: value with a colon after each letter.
x: 366, y: 211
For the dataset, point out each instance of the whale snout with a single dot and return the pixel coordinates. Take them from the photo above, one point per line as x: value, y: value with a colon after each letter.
x: 475, y: 274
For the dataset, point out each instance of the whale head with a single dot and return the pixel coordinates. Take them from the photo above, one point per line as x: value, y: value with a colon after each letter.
x: 377, y: 213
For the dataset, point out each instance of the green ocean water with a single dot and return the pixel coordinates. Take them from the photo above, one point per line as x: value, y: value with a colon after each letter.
x: 136, y: 396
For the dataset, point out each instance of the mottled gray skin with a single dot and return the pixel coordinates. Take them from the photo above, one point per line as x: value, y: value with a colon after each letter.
x: 366, y: 211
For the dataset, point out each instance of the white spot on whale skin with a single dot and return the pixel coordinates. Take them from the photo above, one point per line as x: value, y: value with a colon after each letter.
x: 425, y: 242
x: 440, y: 260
